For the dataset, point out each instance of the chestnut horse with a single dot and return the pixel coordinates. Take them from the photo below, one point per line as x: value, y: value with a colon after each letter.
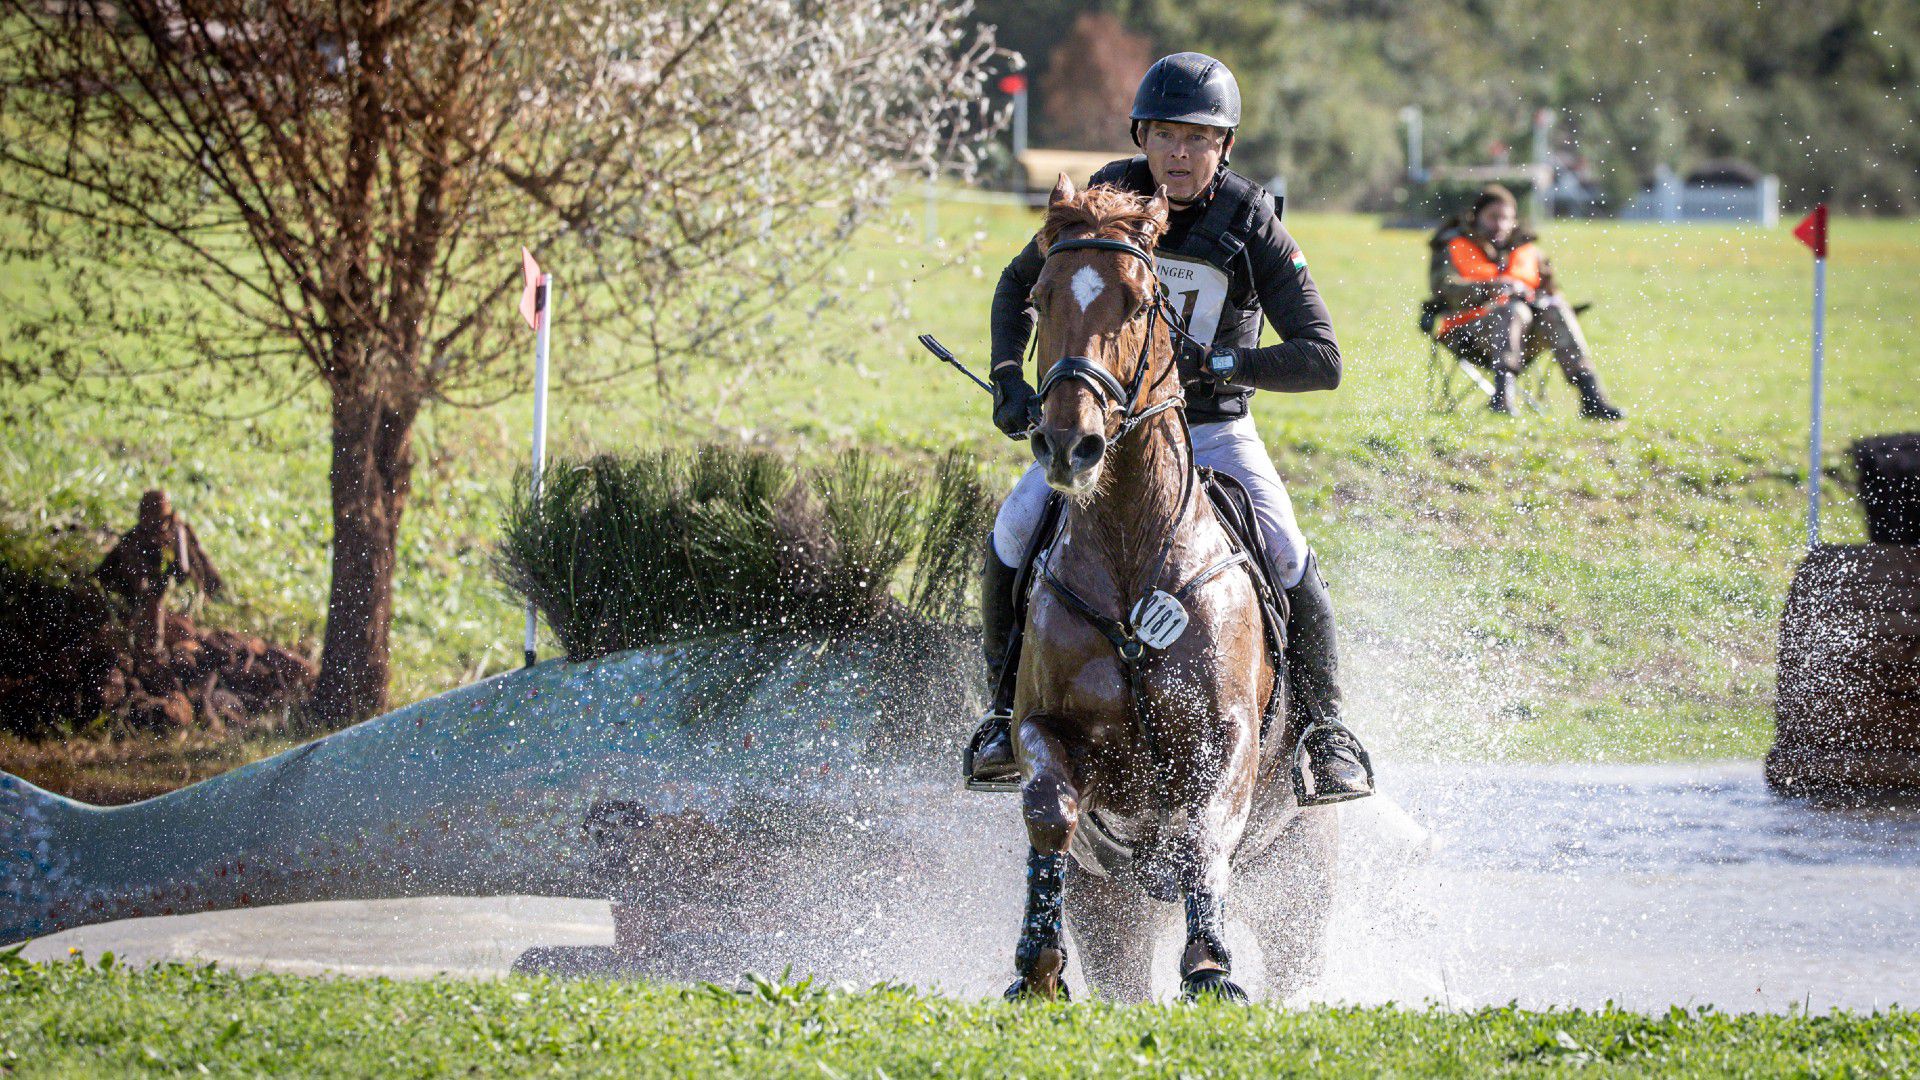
x: 1149, y: 775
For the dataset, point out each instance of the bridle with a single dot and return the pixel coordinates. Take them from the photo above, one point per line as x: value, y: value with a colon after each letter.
x: 1085, y: 369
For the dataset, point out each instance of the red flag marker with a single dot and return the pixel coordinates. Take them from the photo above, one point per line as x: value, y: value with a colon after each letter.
x: 531, y: 301
x: 1812, y: 231
x: 1016, y: 85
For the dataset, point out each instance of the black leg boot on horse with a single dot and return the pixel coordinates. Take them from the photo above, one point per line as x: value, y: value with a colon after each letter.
x: 989, y: 764
x: 1337, y: 768
x: 1206, y: 967
x: 1040, y: 958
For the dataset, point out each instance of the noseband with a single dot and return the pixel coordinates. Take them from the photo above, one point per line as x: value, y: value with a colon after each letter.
x: 1086, y: 369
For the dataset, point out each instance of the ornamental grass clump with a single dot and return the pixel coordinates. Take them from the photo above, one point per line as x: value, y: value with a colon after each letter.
x: 623, y: 552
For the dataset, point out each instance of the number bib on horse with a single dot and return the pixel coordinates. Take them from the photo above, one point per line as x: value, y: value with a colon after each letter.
x: 1198, y: 290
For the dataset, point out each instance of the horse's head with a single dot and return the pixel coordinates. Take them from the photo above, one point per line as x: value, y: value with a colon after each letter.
x: 1096, y: 331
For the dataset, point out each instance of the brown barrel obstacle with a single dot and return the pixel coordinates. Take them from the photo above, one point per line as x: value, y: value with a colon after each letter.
x: 1847, y: 713
x: 1889, y: 471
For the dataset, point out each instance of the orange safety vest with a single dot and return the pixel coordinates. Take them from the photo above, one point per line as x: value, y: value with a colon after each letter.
x: 1470, y: 261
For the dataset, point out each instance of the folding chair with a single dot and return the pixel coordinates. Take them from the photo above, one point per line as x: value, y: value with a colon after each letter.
x: 1452, y: 380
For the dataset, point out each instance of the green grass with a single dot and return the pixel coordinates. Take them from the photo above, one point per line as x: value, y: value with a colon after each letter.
x: 1547, y: 587
x: 71, y: 1019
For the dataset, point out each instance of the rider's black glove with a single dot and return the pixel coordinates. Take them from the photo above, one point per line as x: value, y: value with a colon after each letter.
x: 1190, y: 359
x: 1014, y: 402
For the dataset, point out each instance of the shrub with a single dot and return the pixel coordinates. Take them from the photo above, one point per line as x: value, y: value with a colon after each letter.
x: 626, y: 552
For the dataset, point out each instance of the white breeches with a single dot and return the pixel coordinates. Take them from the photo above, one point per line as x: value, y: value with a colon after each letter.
x: 1232, y: 447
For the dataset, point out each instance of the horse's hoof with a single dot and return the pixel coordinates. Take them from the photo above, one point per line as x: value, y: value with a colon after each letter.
x: 1211, y: 985
x: 1019, y: 991
x: 1045, y: 979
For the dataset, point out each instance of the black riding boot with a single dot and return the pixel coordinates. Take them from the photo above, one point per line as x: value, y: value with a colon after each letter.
x: 1337, y: 767
x: 989, y: 764
x: 1593, y: 406
x: 1502, y: 399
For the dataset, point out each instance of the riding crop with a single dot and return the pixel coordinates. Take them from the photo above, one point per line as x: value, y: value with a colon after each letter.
x: 933, y: 346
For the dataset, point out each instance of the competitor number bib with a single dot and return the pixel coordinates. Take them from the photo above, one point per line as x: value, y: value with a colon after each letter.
x: 1159, y: 620
x: 1198, y: 291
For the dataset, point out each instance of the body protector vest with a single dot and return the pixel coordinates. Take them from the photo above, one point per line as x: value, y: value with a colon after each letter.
x: 1205, y: 269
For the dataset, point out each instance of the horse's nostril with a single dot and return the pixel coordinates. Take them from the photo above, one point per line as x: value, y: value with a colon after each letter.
x: 1042, y: 449
x: 1088, y: 450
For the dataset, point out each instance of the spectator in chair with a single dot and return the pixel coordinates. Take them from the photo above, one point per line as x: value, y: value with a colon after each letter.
x: 1498, y: 307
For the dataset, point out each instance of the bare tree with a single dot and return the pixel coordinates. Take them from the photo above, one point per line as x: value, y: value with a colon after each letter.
x: 270, y: 194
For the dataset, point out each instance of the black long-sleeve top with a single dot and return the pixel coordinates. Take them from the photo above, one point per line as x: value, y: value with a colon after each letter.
x: 1270, y: 276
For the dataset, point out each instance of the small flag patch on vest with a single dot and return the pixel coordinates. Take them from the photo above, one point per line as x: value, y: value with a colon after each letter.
x: 1299, y: 261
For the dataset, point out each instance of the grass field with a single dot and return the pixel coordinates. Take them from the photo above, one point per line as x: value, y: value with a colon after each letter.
x: 1544, y: 587
x: 73, y: 1019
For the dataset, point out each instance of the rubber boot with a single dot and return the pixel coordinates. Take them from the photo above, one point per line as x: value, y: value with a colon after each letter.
x: 989, y: 764
x: 1593, y: 405
x: 1336, y: 767
x: 1502, y: 399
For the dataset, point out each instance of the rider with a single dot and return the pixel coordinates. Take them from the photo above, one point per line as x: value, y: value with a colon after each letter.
x: 1225, y: 258
x: 1498, y: 307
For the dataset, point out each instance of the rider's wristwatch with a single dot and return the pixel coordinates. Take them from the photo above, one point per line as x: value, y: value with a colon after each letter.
x: 1221, y: 364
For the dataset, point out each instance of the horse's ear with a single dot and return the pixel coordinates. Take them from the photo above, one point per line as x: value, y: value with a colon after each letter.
x: 1158, y: 206
x: 1062, y: 191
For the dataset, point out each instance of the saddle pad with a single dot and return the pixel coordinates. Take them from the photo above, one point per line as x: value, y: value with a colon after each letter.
x: 1233, y: 504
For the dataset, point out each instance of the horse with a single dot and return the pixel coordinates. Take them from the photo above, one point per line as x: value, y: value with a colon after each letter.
x: 1148, y: 771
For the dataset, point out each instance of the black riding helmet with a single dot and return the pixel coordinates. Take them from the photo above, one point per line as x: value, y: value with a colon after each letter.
x: 1187, y: 88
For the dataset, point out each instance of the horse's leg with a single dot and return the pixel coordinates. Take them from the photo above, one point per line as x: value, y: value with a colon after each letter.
x: 1286, y: 896
x: 1050, y: 801
x: 1214, y: 827
x: 1114, y: 926
x: 1206, y: 967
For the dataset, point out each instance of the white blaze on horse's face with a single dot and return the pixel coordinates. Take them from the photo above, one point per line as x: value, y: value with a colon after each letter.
x: 1087, y: 285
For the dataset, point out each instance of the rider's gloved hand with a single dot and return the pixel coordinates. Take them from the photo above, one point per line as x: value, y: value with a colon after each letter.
x: 1190, y: 359
x: 1014, y: 402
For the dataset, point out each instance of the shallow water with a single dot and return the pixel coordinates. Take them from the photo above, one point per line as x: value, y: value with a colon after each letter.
x: 1547, y: 885
x: 1644, y: 885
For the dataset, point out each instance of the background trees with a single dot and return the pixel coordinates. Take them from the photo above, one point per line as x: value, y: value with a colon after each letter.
x: 334, y: 195
x: 1826, y: 93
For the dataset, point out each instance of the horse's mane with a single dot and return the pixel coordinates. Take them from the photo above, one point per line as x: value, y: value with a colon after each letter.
x: 1105, y: 209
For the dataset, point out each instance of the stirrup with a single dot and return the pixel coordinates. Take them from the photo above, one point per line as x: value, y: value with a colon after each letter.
x: 1301, y: 794
x: 973, y: 744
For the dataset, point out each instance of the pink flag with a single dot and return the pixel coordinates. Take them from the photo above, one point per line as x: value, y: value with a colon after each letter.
x: 531, y: 301
x: 1813, y: 231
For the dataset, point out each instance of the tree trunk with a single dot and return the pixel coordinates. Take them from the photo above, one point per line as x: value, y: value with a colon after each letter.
x: 371, y: 476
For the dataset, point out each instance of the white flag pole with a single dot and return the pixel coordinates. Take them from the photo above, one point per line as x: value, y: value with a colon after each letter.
x: 545, y: 307
x: 1020, y: 122
x: 1819, y: 371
